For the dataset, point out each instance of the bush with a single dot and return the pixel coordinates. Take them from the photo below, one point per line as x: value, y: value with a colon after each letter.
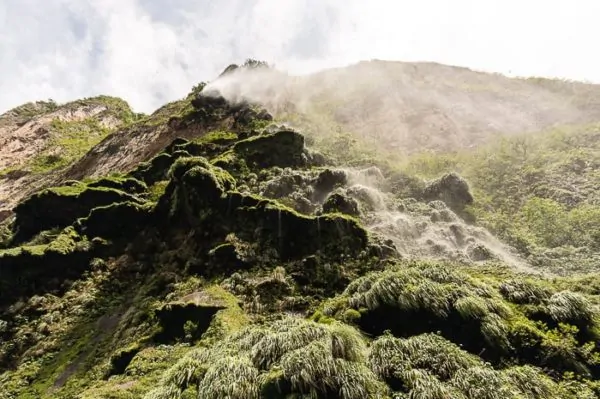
x: 285, y: 358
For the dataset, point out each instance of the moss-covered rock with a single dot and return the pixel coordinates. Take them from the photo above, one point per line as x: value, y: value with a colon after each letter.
x: 62, y: 206
x: 282, y: 148
x: 127, y: 184
x: 247, y: 116
x: 337, y: 202
x: 282, y: 186
x: 29, y: 270
x: 121, y: 359
x: 195, y: 187
x: 187, y: 318
x: 225, y: 258
x: 330, y: 179
x: 295, y: 235
x: 116, y: 221
x: 201, y: 195
x: 156, y: 169
x: 451, y: 189
x: 210, y: 145
x: 209, y: 100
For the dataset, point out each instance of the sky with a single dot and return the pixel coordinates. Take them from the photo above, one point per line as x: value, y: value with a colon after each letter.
x: 149, y: 52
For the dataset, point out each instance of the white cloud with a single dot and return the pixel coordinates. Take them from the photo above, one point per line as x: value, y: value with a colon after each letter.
x: 152, y: 51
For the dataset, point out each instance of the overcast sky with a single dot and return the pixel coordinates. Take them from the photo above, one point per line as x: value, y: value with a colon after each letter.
x: 152, y: 51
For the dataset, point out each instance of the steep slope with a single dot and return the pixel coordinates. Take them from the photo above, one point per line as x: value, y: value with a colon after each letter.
x: 208, y: 251
x: 38, y: 140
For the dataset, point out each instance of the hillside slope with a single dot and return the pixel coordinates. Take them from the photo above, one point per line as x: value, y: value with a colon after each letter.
x: 209, y: 251
x: 419, y: 106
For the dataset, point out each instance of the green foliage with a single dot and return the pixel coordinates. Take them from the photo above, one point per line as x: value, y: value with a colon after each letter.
x: 218, y: 137
x: 70, y: 140
x: 554, y: 225
x: 457, y: 332
x: 570, y: 307
x: 287, y: 357
x: 474, y: 314
x: 539, y: 192
x: 126, y: 184
x: 390, y: 357
x: 429, y: 366
x: 32, y: 109
x: 5, y: 235
x: 196, y: 90
x: 157, y: 190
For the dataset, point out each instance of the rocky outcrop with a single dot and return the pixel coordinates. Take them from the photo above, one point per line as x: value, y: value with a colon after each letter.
x: 201, y: 195
x: 451, y: 189
x: 189, y: 316
x: 38, y: 140
x: 282, y: 148
x: 59, y: 207
x: 337, y: 202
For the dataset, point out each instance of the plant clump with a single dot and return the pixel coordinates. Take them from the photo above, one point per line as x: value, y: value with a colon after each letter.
x: 289, y: 357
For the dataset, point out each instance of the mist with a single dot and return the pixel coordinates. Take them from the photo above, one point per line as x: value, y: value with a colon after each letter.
x: 412, y: 107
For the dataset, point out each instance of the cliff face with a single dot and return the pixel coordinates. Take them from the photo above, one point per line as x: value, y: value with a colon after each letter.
x: 210, y: 250
x: 38, y: 140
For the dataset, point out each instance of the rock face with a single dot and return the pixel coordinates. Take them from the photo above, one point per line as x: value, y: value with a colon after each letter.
x: 282, y: 148
x: 39, y: 140
x: 60, y: 207
x: 341, y: 203
x: 451, y: 189
x: 197, y: 309
x: 200, y: 194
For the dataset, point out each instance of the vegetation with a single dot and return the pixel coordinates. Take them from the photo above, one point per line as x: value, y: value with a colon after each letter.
x: 70, y: 139
x: 240, y: 264
x: 537, y: 192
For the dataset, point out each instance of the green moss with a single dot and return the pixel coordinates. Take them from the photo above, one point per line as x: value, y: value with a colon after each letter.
x: 157, y: 190
x: 154, y: 170
x: 121, y: 358
x: 218, y: 137
x: 5, y: 235
x: 294, y: 235
x: 283, y: 148
x: 116, y: 221
x: 39, y: 212
x: 38, y: 268
x: 70, y: 140
x: 126, y: 184
x: 209, y: 313
x: 182, y: 165
x: 50, y: 368
x: 227, y: 321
